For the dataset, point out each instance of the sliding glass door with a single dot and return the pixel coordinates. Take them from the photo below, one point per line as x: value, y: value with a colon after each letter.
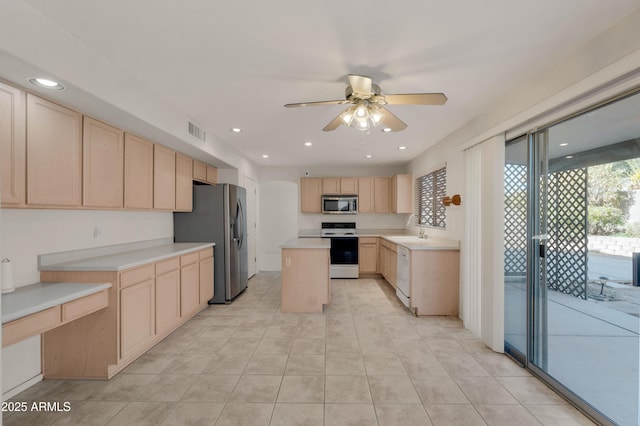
x: 572, y: 258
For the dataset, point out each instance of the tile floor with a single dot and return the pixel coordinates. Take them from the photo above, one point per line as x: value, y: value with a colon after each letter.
x: 364, y: 361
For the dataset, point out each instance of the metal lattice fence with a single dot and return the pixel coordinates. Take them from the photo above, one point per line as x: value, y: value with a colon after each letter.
x: 515, y: 220
x: 567, y: 229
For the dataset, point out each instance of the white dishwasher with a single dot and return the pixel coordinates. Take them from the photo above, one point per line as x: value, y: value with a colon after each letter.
x: 403, y: 275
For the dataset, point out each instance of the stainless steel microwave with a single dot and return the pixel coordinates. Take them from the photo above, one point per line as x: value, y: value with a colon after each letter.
x: 339, y: 204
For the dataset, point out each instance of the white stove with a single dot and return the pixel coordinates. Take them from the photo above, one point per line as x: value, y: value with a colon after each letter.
x: 344, y: 248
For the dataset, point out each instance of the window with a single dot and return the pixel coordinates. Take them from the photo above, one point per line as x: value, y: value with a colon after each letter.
x: 430, y: 189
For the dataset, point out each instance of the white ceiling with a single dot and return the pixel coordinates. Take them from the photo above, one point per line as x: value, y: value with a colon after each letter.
x: 231, y: 64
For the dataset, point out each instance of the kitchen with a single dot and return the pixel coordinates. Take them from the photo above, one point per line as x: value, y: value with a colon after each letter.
x: 27, y: 233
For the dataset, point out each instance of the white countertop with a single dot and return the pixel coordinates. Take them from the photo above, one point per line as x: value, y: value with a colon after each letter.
x: 126, y: 259
x: 412, y: 242
x: 307, y: 243
x: 34, y: 298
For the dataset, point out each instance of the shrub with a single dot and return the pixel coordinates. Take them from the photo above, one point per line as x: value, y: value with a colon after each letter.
x: 605, y: 220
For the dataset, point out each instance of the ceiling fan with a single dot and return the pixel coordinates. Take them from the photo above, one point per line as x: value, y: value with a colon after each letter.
x: 367, y: 108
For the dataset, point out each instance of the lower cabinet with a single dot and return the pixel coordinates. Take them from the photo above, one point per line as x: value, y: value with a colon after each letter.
x: 146, y: 303
x: 368, y: 255
x: 388, y: 261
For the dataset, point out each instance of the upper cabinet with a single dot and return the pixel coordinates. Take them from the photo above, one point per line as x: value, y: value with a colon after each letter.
x: 340, y: 186
x: 212, y: 174
x: 164, y: 178
x: 103, y: 165
x: 54, y: 154
x: 381, y: 186
x: 138, y: 173
x: 401, y: 194
x: 310, y: 195
x: 184, y: 183
x: 12, y: 145
x: 204, y: 173
x: 365, y: 195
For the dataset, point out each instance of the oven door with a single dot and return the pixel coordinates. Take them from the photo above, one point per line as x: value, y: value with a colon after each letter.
x: 344, y: 251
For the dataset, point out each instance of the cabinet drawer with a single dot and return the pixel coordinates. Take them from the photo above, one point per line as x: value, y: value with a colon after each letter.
x: 32, y: 325
x: 188, y: 259
x: 167, y: 265
x: 85, y: 306
x: 206, y: 253
x: 137, y: 275
x: 368, y: 240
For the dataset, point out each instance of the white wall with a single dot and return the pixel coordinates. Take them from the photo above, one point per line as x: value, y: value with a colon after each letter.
x: 27, y: 233
x: 279, y: 221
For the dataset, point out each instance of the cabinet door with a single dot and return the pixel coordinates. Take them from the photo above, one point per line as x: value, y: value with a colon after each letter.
x: 330, y: 185
x: 189, y: 289
x: 349, y: 186
x: 310, y: 195
x: 401, y: 194
x: 368, y: 256
x: 12, y: 145
x: 381, y: 195
x: 167, y: 300
x: 184, y: 183
x: 137, y: 317
x: 365, y: 195
x: 212, y: 174
x: 103, y: 165
x: 206, y: 280
x: 164, y: 178
x: 199, y: 171
x: 138, y: 173
x: 54, y: 154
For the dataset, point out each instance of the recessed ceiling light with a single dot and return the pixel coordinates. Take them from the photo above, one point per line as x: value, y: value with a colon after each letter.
x: 308, y: 144
x: 236, y: 129
x: 265, y: 156
x: 569, y: 156
x: 368, y: 156
x: 46, y: 83
x: 402, y: 148
x: 386, y: 130
x: 564, y: 144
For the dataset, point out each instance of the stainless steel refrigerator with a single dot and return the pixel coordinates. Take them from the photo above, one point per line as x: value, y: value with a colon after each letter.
x: 219, y: 215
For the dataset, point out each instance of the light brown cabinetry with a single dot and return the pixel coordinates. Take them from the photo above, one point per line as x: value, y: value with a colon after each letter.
x: 202, y: 172
x: 388, y: 261
x: 435, y: 282
x: 206, y: 275
x: 12, y: 145
x: 184, y: 183
x: 310, y: 195
x: 137, y: 317
x: 381, y: 194
x: 305, y: 279
x: 331, y: 185
x: 212, y: 175
x: 189, y: 284
x: 138, y: 172
x: 167, y: 304
x: 401, y: 194
x: 365, y: 195
x: 368, y: 255
x: 340, y: 186
x: 164, y: 178
x: 54, y: 154
x: 103, y: 165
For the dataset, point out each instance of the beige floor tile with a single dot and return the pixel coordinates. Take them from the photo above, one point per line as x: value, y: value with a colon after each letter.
x: 91, y: 413
x: 347, y: 332
x: 141, y: 414
x: 38, y: 391
x: 345, y: 364
x: 206, y: 345
x: 248, y: 331
x: 212, y: 388
x: 377, y: 346
x: 565, y: 415
x: 347, y: 389
x: 31, y: 418
x: 173, y: 345
x: 308, y: 347
x: 285, y: 414
x: 461, y: 365
x: 305, y: 365
x: 377, y: 365
x: 150, y: 363
x: 311, y: 332
x: 530, y: 390
x: 240, y: 345
x: 498, y: 415
x: 72, y: 390
x: 221, y: 332
x: 245, y: 414
x: 349, y: 415
x: 301, y: 389
x: 188, y: 363
x: 485, y: 390
x: 401, y: 414
x: 256, y: 388
x: 393, y: 389
x: 438, y: 390
x: 273, y: 346
x: 193, y: 414
x: 123, y: 387
x: 422, y: 364
x: 166, y: 387
x: 228, y: 363
x: 454, y: 415
x: 280, y: 332
x: 342, y: 346
x: 500, y: 365
x: 266, y: 364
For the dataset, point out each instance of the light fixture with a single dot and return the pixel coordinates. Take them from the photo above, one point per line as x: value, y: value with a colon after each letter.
x: 308, y: 143
x: 368, y: 156
x: 564, y: 144
x: 402, y: 148
x: 46, y: 83
x: 265, y: 156
x: 362, y: 116
x: 386, y: 130
x: 569, y: 156
x: 236, y: 129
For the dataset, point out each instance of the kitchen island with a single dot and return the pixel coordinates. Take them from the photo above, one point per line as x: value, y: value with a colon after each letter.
x: 305, y: 274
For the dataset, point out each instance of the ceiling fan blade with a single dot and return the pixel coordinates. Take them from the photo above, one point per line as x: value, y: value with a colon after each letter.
x: 360, y: 84
x: 416, y: 99
x: 334, y: 123
x: 303, y: 104
x: 391, y: 121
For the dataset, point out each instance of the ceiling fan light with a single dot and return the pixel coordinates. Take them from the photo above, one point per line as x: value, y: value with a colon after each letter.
x: 376, y: 117
x: 361, y: 111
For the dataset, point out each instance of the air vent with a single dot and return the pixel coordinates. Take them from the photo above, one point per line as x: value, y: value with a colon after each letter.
x: 196, y: 131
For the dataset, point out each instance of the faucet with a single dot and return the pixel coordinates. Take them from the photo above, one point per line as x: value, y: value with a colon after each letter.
x: 422, y: 234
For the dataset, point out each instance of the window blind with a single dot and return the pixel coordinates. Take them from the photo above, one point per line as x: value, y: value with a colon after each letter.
x: 430, y: 189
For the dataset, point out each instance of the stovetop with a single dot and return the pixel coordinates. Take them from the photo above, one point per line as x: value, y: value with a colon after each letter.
x: 339, y: 229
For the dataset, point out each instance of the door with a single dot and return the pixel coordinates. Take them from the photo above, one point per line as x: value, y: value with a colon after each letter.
x: 250, y: 186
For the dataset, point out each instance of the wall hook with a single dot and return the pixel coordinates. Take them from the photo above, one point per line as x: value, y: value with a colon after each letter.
x: 455, y: 200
